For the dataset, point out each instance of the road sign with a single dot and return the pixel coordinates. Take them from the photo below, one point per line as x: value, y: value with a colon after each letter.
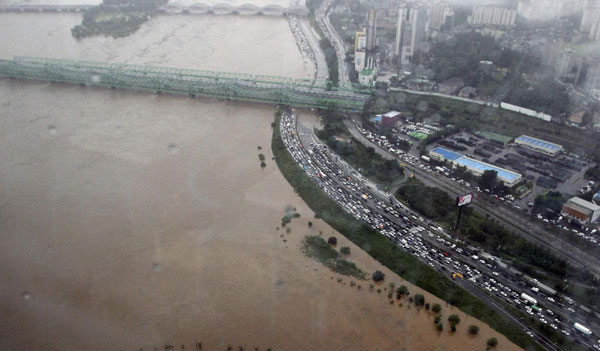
x: 464, y: 200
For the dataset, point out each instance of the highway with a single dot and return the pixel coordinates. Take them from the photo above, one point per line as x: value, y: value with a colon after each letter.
x: 334, y: 39
x: 514, y: 220
x: 346, y: 186
x: 321, y: 64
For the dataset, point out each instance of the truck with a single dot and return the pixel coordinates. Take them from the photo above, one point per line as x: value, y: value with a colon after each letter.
x: 425, y: 158
x: 582, y: 328
x: 529, y: 299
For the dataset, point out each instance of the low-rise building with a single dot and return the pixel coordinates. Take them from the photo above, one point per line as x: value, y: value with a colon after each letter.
x: 467, y: 92
x: 539, y: 145
x: 576, y: 117
x: 451, y: 86
x: 581, y: 210
x: 509, y: 178
x: 388, y: 119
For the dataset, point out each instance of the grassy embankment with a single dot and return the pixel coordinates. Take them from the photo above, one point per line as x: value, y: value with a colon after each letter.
x: 317, y: 248
x: 385, y: 252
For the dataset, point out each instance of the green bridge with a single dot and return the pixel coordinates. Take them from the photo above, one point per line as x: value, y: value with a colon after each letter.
x: 299, y: 93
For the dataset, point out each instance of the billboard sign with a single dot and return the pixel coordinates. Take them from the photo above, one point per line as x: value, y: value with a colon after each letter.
x: 464, y: 200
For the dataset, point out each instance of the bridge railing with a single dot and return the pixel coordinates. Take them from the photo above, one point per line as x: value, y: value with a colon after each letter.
x: 245, y: 87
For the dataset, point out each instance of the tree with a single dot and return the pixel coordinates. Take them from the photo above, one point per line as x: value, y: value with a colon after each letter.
x: 473, y: 329
x: 263, y: 164
x: 440, y: 326
x: 436, y: 308
x: 453, y: 327
x: 378, y: 276
x: 454, y: 319
x: 437, y: 319
x: 332, y: 240
x: 551, y: 201
x: 488, y: 179
x: 419, y: 300
x: 492, y: 342
x: 345, y: 250
x: 427, y: 306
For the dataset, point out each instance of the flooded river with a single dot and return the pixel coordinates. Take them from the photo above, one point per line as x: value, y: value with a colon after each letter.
x: 132, y: 221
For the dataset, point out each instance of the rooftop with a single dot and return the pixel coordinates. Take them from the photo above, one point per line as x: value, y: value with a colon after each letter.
x: 583, y: 203
x: 447, y: 154
x: 392, y: 114
x: 503, y: 174
x: 538, y: 142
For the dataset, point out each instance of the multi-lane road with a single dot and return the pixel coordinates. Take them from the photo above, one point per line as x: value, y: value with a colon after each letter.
x: 509, y: 217
x: 361, y: 198
x: 425, y: 240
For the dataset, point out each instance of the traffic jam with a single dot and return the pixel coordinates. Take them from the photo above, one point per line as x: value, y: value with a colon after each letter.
x: 474, y: 270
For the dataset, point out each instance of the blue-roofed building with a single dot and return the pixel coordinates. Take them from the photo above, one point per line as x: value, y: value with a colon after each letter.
x: 509, y: 178
x: 441, y: 154
x: 539, y: 145
x: 377, y: 119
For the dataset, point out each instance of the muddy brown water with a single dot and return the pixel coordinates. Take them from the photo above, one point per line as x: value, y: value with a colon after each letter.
x: 129, y: 220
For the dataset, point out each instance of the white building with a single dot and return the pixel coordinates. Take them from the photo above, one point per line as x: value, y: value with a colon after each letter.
x: 564, y: 63
x: 495, y: 16
x: 581, y: 210
x: 591, y: 12
x: 410, y: 31
x: 440, y: 14
x: 543, y: 10
x: 360, y: 51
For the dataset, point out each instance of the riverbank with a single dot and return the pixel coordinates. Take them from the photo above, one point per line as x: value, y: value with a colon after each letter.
x: 384, y: 251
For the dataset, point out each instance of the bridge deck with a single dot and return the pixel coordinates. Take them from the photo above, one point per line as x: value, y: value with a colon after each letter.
x: 299, y: 93
x: 196, y: 8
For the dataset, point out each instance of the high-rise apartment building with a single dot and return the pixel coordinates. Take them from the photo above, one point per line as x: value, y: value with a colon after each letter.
x: 410, y: 31
x: 440, y: 15
x: 495, y: 16
x: 543, y: 10
x: 360, y: 51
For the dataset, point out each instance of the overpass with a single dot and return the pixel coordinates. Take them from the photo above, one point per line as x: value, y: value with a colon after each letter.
x: 299, y: 93
x: 175, y: 8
